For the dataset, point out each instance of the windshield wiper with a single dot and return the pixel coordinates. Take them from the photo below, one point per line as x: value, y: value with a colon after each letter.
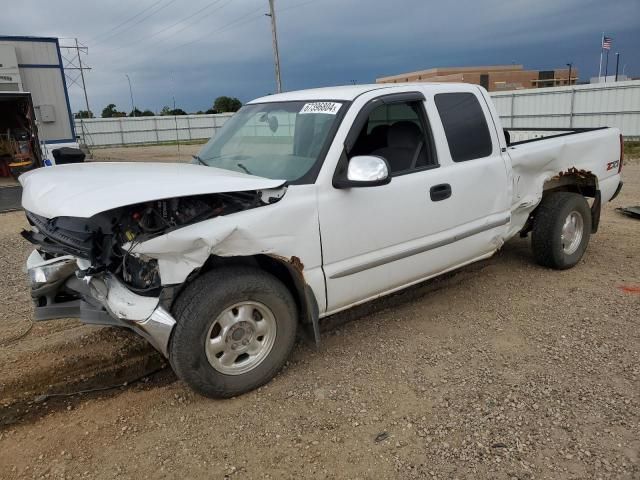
x: 200, y: 161
x: 246, y: 170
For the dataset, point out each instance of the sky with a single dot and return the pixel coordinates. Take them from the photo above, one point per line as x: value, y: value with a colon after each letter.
x: 194, y: 51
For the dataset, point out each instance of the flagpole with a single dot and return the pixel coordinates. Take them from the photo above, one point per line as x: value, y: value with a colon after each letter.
x: 606, y: 67
x: 600, y: 69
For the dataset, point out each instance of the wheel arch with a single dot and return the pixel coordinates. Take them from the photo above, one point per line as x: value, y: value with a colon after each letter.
x: 578, y: 181
x: 572, y: 180
x: 288, y: 270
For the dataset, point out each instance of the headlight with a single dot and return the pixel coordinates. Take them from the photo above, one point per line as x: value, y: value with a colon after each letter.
x: 49, y: 271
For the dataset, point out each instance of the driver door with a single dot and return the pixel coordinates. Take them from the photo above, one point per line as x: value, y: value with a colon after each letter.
x: 368, y: 234
x: 434, y: 215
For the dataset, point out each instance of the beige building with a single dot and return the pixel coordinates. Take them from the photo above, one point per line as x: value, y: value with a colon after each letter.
x: 492, y: 77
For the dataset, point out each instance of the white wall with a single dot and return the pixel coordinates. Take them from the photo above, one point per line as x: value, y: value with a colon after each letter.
x: 600, y: 105
x: 579, y: 106
x: 100, y: 132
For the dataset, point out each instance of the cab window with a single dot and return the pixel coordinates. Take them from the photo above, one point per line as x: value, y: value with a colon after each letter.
x: 399, y: 133
x: 465, y: 126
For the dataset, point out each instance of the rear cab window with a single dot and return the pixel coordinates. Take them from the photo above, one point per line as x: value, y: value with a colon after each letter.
x: 465, y: 126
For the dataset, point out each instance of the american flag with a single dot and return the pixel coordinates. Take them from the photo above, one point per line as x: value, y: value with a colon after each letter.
x: 606, y: 43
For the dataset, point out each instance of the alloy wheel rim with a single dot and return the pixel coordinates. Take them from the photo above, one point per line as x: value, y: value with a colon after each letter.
x: 240, y: 338
x: 572, y: 232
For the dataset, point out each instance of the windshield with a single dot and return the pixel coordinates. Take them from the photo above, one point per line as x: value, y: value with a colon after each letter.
x: 280, y: 140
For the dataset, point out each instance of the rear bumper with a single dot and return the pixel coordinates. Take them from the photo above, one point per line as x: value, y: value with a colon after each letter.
x: 98, y: 300
x: 610, y: 187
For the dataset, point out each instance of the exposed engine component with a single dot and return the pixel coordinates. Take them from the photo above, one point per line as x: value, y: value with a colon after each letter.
x: 102, y: 238
x: 140, y: 274
x: 161, y: 215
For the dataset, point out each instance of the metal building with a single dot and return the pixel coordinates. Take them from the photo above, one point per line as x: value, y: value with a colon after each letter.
x: 34, y: 64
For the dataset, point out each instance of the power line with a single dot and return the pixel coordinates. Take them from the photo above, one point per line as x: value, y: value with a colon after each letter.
x: 162, y: 7
x: 191, y: 16
x: 155, y: 34
x: 126, y: 21
x: 249, y: 17
x: 220, y: 30
x: 236, y: 22
x: 291, y: 7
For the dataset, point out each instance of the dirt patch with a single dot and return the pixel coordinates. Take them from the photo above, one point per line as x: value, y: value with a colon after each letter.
x: 151, y: 153
x: 503, y: 370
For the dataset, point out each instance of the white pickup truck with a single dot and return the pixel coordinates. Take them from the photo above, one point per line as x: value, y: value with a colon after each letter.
x: 304, y: 204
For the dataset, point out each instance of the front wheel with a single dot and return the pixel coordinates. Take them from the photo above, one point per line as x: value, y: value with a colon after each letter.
x: 235, y: 329
x: 561, y: 229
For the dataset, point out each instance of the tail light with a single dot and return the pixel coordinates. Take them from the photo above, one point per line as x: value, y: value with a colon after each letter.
x: 621, y: 153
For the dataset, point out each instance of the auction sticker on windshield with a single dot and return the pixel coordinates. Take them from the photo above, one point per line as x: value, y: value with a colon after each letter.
x: 321, y: 107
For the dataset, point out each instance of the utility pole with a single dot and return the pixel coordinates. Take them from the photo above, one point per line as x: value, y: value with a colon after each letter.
x: 600, y: 69
x: 274, y: 34
x: 72, y: 62
x: 569, y: 65
x: 133, y: 107
x: 617, y: 64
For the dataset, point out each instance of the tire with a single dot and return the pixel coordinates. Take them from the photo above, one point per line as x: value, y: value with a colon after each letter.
x: 223, y: 309
x: 549, y: 248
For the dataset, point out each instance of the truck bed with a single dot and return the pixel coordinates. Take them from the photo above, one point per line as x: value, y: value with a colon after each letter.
x: 540, y: 163
x: 522, y: 135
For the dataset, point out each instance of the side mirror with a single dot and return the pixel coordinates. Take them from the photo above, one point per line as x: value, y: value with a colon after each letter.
x: 365, y: 171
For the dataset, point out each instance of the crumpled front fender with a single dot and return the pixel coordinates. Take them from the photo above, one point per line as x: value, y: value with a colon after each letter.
x: 286, y: 229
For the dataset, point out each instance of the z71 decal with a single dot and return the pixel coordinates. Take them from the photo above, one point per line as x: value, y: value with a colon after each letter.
x: 612, y: 165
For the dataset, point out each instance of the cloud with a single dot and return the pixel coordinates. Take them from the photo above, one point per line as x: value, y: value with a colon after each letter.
x: 194, y: 51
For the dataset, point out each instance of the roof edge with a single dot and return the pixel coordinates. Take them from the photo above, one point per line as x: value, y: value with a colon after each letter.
x: 26, y: 38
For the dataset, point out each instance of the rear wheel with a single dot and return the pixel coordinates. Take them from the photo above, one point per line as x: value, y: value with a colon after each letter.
x: 561, y: 230
x: 235, y: 329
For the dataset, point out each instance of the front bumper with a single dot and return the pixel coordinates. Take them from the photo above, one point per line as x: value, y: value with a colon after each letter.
x: 99, y: 299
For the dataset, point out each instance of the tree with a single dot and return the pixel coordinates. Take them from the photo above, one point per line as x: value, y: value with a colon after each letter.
x: 84, y: 114
x: 172, y: 111
x: 111, y: 111
x: 135, y: 112
x: 226, y: 104
x: 147, y: 113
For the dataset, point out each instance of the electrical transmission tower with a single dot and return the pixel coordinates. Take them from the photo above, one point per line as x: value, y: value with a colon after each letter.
x: 73, y: 67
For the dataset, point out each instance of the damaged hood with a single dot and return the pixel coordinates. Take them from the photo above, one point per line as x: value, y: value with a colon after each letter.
x: 85, y: 189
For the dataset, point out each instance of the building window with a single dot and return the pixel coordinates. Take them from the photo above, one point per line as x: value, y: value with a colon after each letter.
x: 484, y: 81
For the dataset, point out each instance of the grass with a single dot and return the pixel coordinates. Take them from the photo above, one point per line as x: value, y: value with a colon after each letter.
x: 632, y: 149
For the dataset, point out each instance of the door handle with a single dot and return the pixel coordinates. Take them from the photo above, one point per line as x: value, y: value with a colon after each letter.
x: 440, y: 192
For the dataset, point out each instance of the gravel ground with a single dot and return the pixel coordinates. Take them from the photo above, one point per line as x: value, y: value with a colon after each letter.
x: 502, y: 370
x: 151, y: 153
